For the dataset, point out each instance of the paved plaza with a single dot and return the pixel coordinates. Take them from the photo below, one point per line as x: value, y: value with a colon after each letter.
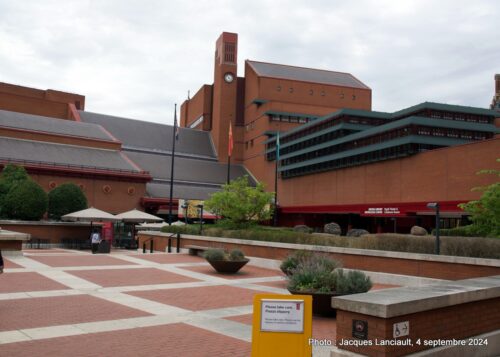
x: 71, y: 303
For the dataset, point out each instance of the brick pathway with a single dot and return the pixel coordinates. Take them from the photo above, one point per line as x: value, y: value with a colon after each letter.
x: 71, y: 303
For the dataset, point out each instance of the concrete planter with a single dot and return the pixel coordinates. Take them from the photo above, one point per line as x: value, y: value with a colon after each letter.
x: 227, y: 266
x: 321, y: 302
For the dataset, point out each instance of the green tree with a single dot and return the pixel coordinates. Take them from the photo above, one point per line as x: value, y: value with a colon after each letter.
x: 11, y: 175
x: 26, y: 200
x: 65, y: 199
x: 485, y: 212
x: 240, y: 203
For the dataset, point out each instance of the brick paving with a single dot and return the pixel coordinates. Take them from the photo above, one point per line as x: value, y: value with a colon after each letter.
x: 9, y: 264
x: 129, y: 304
x: 172, y: 258
x: 21, y: 282
x: 203, y: 298
x: 248, y: 271
x: 60, y: 310
x: 179, y: 340
x: 79, y: 260
x: 130, y: 277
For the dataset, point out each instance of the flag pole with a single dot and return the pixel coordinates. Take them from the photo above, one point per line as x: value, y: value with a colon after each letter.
x: 228, y: 169
x: 174, y: 139
x: 275, y: 223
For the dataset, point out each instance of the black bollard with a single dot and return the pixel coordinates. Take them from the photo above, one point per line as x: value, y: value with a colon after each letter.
x: 169, y: 245
x: 151, y: 246
x: 143, y: 248
x: 178, y: 242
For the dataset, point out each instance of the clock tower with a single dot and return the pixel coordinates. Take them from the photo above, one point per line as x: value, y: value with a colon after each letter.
x: 224, y: 92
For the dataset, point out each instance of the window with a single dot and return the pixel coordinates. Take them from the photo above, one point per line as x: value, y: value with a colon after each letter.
x: 278, y: 88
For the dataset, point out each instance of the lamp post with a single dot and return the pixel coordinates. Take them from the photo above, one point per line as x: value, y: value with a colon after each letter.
x: 435, y: 206
x: 185, y: 207
x: 201, y: 218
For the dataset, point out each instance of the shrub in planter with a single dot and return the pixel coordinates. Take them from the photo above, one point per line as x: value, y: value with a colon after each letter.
x: 223, y: 262
x: 320, y: 277
x: 292, y: 260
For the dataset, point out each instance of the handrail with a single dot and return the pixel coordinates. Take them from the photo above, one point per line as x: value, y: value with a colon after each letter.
x: 178, y: 235
x: 150, y: 245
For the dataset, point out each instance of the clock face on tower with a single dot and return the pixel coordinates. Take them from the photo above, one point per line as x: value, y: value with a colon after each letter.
x: 228, y: 77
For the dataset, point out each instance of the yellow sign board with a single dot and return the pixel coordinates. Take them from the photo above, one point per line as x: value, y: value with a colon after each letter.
x: 282, y: 325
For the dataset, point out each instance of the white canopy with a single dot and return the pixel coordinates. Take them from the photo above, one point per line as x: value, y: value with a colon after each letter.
x: 89, y: 215
x: 137, y: 216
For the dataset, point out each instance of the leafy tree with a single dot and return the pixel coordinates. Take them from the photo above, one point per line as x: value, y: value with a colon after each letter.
x: 26, y: 200
x: 240, y: 203
x: 485, y: 212
x: 11, y: 175
x: 65, y: 199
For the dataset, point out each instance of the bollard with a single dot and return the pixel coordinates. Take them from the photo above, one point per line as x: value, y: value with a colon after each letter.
x: 178, y: 249
x: 151, y: 246
x: 169, y: 245
x: 143, y: 248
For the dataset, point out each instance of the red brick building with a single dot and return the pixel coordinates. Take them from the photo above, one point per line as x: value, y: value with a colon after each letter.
x: 338, y: 160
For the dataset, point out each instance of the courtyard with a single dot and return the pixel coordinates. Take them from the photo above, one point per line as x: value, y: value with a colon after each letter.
x: 57, y: 302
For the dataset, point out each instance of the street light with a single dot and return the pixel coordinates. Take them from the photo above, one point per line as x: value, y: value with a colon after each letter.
x: 185, y: 207
x: 201, y: 217
x: 435, y: 206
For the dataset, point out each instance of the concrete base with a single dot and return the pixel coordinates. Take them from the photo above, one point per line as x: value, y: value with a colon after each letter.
x: 492, y: 349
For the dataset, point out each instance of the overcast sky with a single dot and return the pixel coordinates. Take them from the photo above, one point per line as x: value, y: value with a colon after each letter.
x: 137, y: 58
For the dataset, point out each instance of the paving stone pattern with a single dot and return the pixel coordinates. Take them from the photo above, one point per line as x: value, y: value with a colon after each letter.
x: 71, y: 303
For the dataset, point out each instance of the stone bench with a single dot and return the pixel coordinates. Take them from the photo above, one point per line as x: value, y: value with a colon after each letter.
x: 11, y: 243
x: 195, y: 249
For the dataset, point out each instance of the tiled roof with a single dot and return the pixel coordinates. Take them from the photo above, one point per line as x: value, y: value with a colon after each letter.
x: 191, y: 170
x: 153, y: 136
x: 65, y: 155
x: 51, y: 125
x: 306, y: 74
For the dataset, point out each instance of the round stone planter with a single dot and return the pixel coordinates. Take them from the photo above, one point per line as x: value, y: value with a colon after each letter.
x: 321, y: 302
x: 227, y: 266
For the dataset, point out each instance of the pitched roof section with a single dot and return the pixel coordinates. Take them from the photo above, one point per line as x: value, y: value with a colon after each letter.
x: 148, y: 136
x: 64, y: 155
x: 189, y: 170
x: 53, y: 126
x: 306, y: 74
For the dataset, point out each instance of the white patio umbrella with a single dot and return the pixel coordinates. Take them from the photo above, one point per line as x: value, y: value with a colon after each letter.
x: 90, y: 215
x: 136, y: 216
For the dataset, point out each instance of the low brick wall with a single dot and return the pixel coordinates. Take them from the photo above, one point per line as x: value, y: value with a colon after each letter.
x: 53, y: 231
x: 420, y: 265
x: 433, y: 315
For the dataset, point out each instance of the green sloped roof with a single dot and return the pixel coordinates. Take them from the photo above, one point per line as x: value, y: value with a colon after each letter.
x: 349, y: 126
x: 443, y: 107
x: 411, y: 139
x: 356, y: 112
x: 443, y: 123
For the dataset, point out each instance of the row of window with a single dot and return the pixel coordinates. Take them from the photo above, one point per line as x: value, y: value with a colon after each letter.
x: 321, y: 93
x: 473, y: 118
x: 331, y: 123
x: 374, y: 139
x: 289, y: 118
x: 355, y: 160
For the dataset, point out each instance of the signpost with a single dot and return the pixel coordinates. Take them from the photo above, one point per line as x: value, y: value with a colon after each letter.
x: 401, y: 329
x: 282, y: 325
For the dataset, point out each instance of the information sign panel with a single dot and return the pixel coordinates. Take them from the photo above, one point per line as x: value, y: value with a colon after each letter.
x: 282, y: 315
